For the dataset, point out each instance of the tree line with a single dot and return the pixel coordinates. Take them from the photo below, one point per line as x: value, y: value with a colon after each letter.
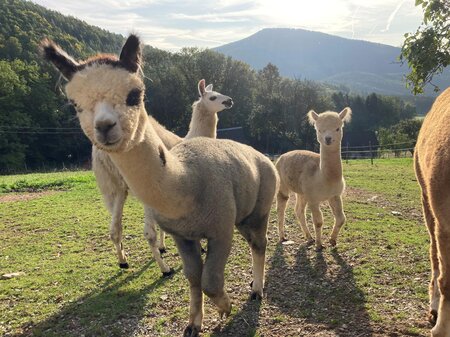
x: 38, y: 126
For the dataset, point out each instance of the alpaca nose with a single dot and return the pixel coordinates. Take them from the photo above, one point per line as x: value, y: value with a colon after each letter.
x: 104, y: 126
x: 328, y: 140
x: 228, y: 103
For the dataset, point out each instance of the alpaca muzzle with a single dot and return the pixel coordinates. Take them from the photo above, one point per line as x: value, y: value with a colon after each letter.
x: 228, y: 103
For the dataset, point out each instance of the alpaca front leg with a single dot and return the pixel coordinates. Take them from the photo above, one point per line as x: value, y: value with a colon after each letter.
x: 300, y: 208
x: 192, y: 267
x: 339, y: 217
x: 282, y: 200
x: 115, y: 204
x: 151, y: 235
x: 213, y: 272
x: 318, y: 223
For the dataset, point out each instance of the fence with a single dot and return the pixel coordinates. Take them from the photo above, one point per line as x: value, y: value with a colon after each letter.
x: 394, y: 150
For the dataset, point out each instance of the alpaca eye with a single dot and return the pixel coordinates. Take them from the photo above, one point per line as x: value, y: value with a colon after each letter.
x: 212, y: 98
x: 134, y: 97
x: 75, y: 106
x: 338, y: 129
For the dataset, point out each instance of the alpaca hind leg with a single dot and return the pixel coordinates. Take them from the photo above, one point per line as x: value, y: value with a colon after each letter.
x: 282, y: 200
x: 433, y: 288
x: 255, y: 232
x: 115, y: 204
x: 213, y: 272
x: 192, y: 267
x: 151, y: 235
x: 339, y: 217
x: 300, y: 208
x: 318, y: 223
x: 162, y: 241
x: 441, y: 212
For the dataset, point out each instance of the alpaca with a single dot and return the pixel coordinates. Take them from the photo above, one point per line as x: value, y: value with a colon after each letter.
x: 115, y: 190
x: 315, y: 178
x: 432, y: 166
x: 199, y: 189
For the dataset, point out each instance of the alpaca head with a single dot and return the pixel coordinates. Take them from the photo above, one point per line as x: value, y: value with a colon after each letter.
x: 329, y: 125
x: 212, y: 101
x: 107, y: 92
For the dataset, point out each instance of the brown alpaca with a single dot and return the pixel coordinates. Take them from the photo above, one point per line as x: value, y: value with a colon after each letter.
x: 315, y: 178
x: 432, y: 165
x: 200, y: 189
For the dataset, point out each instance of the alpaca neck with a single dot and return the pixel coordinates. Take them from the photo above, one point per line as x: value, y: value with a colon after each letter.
x: 331, y: 163
x: 153, y: 174
x: 203, y: 122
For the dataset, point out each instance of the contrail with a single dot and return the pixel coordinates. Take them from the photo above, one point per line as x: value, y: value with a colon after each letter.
x: 392, y: 16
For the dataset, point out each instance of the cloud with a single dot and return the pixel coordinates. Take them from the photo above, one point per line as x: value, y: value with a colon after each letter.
x: 173, y: 24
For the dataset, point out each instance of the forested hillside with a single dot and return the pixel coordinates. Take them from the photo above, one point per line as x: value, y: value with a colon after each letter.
x: 38, y: 129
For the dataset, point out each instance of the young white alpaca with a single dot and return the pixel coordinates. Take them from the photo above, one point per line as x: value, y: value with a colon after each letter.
x: 115, y: 190
x: 315, y: 178
x: 199, y: 189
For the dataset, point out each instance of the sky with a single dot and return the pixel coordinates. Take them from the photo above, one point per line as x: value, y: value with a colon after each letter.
x: 174, y: 24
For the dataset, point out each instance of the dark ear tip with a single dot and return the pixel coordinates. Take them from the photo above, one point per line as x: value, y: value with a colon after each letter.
x: 47, y: 47
x: 133, y: 40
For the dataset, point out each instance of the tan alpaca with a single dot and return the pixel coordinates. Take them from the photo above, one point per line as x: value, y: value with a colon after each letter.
x: 315, y: 178
x: 115, y: 190
x: 432, y: 165
x: 199, y: 189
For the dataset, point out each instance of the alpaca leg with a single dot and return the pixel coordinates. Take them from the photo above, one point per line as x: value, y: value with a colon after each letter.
x: 151, y: 235
x: 115, y: 205
x: 162, y: 241
x: 213, y: 272
x: 441, y: 213
x: 192, y: 267
x: 339, y: 217
x: 433, y: 288
x: 300, y: 208
x: 318, y: 222
x: 282, y: 199
x: 255, y: 232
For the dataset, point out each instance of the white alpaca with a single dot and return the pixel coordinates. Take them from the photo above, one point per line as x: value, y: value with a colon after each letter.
x: 115, y: 190
x: 315, y: 178
x: 198, y: 190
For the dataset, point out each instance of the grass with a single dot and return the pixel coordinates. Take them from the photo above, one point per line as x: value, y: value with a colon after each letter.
x: 374, y: 283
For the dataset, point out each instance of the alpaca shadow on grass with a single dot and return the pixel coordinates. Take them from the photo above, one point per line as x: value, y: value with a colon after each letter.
x: 320, y: 290
x: 106, y: 311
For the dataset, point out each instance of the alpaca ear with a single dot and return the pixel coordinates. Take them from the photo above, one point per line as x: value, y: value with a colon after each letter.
x: 131, y: 54
x: 346, y: 115
x: 312, y: 117
x: 209, y: 88
x: 66, y: 65
x: 201, y: 87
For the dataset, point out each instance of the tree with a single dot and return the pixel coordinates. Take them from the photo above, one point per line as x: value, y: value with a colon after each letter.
x: 427, y: 50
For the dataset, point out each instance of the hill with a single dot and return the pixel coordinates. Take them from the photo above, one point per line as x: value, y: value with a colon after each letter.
x: 362, y: 66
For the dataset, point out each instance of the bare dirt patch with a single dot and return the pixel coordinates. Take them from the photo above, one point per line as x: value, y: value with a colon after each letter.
x: 12, y: 197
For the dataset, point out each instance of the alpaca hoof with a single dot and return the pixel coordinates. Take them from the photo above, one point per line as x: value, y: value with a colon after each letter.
x: 332, y: 242
x: 191, y: 331
x: 254, y: 296
x: 319, y: 248
x: 203, y: 251
x: 162, y: 250
x: 167, y: 274
x: 432, y: 317
x: 225, y: 313
x: 124, y: 265
x: 310, y: 242
x: 283, y: 239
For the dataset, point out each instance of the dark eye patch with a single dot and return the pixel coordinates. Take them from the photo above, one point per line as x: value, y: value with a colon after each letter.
x: 212, y: 98
x: 338, y: 129
x: 134, y: 97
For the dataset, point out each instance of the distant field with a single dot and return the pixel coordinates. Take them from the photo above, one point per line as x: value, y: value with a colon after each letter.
x: 54, y: 228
